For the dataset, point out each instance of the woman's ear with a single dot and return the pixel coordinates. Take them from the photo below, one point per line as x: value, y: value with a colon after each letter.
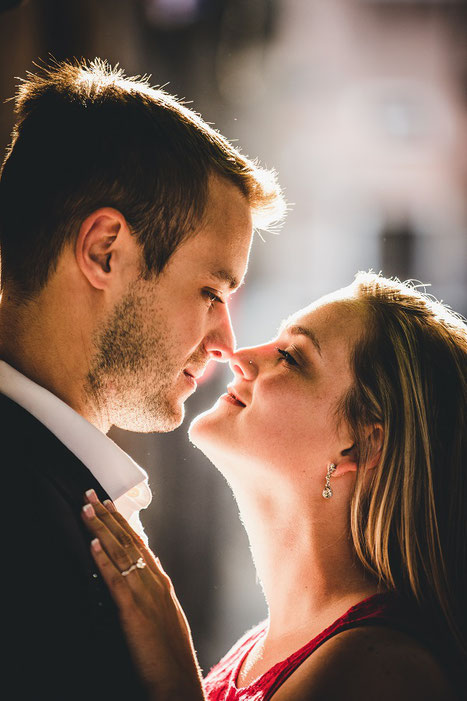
x: 348, y: 459
x: 375, y: 440
x: 105, y: 247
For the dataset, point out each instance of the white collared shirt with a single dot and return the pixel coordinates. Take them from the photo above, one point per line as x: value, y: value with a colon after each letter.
x: 124, y: 481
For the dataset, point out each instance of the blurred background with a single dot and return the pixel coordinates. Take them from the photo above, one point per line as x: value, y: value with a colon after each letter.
x: 361, y: 106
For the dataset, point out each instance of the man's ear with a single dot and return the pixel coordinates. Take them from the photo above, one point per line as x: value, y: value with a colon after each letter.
x: 348, y: 459
x: 105, y: 247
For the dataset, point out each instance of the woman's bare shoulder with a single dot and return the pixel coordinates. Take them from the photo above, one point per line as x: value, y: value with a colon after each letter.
x: 368, y: 663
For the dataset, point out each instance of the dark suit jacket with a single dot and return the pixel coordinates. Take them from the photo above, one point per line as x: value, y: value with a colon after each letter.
x: 60, y: 626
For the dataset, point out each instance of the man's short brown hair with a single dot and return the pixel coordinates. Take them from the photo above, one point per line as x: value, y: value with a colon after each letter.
x: 87, y: 137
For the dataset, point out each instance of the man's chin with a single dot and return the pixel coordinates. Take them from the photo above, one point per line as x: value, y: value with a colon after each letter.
x: 160, y: 421
x: 169, y: 421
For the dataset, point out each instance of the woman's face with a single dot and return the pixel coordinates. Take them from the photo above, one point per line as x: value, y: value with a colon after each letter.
x: 279, y: 410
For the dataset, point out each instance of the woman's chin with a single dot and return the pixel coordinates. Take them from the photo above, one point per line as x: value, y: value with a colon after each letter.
x: 193, y: 430
x: 200, y: 428
x: 207, y: 431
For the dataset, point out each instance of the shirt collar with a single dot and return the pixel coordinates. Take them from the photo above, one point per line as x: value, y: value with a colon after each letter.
x: 116, y: 471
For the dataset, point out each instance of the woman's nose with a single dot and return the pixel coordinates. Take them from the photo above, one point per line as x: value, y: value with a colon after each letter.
x: 243, y: 364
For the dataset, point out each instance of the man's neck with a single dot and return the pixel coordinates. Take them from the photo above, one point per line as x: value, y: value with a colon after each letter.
x: 51, y: 351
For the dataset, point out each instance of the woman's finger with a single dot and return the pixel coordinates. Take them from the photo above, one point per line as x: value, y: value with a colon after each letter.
x: 117, y: 585
x: 121, y: 529
x: 144, y: 584
x: 123, y: 523
x: 122, y: 556
x: 107, y: 513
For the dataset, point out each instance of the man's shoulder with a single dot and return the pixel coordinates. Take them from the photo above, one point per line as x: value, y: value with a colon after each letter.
x: 24, y: 442
x: 44, y: 480
x: 33, y: 451
x: 18, y: 427
x: 57, y: 610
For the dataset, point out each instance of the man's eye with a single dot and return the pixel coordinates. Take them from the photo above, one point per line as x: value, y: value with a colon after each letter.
x: 289, y: 359
x: 212, y: 297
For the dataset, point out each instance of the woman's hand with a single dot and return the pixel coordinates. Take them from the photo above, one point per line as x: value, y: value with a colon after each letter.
x: 154, y: 623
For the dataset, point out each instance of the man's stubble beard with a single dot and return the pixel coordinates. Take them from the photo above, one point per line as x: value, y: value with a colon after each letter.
x: 132, y: 374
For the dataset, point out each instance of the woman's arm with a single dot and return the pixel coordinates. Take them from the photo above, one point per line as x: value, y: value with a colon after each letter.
x: 154, y: 623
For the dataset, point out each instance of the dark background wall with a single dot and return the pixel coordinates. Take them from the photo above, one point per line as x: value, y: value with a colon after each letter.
x: 361, y: 106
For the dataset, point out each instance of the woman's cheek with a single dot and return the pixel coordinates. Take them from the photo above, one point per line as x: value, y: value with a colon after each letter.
x: 288, y: 415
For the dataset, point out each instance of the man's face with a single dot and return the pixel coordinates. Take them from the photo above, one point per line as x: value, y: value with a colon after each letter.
x: 163, y: 332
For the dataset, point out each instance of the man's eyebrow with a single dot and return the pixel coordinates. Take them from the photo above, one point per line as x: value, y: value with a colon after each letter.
x: 225, y: 276
x: 303, y: 331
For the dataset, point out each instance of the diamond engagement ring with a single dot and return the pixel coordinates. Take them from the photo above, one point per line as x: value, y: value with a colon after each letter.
x: 138, y: 565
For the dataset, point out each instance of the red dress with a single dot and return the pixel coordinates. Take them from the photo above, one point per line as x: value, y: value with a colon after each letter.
x: 380, y: 609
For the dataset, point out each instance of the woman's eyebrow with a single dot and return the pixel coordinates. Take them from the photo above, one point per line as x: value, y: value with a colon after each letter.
x: 303, y: 331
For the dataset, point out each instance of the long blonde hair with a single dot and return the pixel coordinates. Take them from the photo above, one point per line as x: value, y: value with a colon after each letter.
x: 409, y: 527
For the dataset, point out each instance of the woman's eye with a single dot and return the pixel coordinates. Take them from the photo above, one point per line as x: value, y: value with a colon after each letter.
x: 289, y: 359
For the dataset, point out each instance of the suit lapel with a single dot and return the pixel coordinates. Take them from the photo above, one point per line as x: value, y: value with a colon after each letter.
x: 48, y: 454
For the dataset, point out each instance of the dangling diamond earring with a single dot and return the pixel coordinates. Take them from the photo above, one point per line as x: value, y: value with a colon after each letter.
x: 327, y: 491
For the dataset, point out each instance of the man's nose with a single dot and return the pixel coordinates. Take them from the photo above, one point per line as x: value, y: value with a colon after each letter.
x: 220, y: 343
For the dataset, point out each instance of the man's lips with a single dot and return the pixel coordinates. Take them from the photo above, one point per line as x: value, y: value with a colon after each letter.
x: 196, y: 374
x: 193, y: 375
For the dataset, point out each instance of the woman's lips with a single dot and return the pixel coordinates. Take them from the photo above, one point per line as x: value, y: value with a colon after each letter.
x: 231, y: 400
x: 232, y: 397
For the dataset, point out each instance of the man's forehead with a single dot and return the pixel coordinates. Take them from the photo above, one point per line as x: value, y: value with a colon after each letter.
x: 221, y: 254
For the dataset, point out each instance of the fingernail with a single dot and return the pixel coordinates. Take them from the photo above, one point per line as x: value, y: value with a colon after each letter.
x: 89, y: 511
x: 109, y: 505
x: 96, y: 546
x: 92, y: 496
